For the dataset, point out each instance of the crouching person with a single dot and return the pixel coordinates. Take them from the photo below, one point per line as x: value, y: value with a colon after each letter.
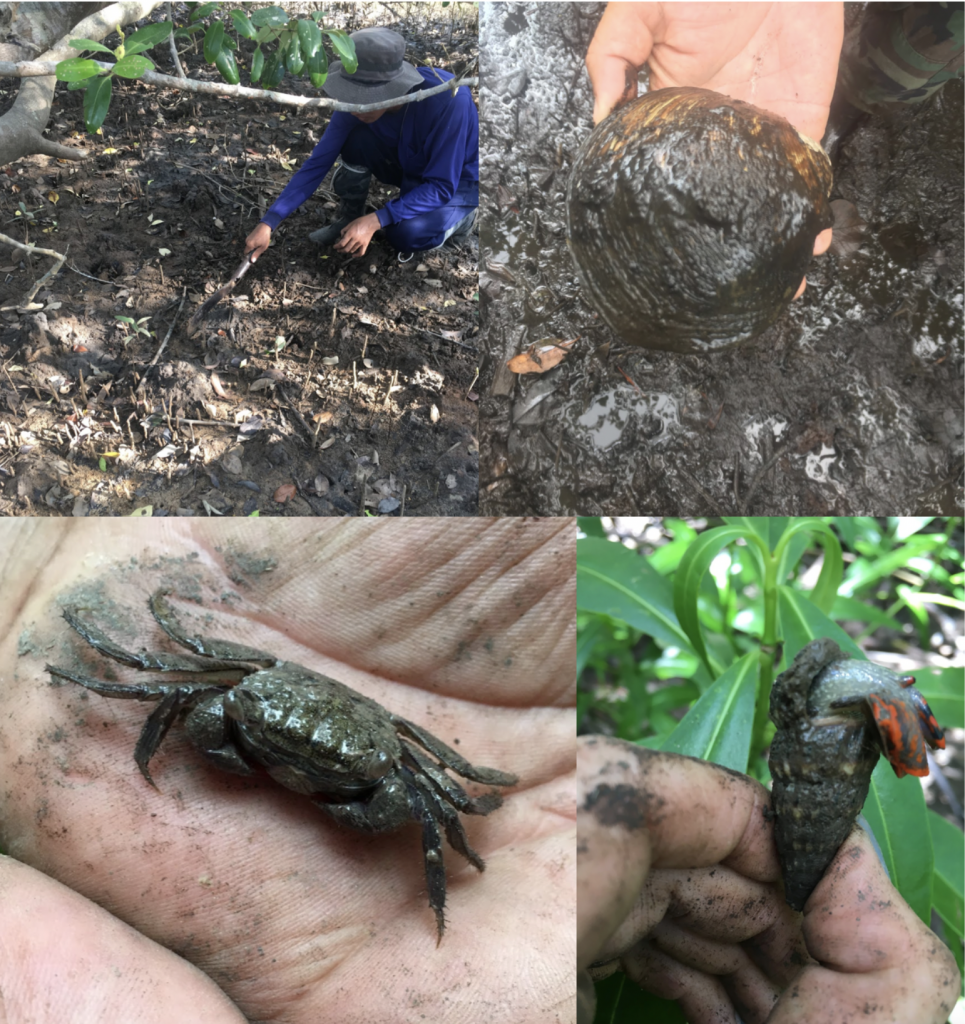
x: 429, y: 149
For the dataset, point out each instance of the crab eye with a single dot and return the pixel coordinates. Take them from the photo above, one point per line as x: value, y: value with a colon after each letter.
x: 239, y: 709
x: 377, y: 765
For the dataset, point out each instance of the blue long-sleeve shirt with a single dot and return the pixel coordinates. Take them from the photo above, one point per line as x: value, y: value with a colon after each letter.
x: 437, y: 142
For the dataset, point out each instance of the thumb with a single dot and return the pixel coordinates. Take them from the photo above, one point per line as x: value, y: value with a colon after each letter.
x: 50, y: 933
x: 614, y: 82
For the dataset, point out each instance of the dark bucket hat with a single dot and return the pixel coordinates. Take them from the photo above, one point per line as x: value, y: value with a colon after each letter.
x: 382, y: 73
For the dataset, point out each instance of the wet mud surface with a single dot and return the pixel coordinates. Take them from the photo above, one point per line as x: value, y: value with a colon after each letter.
x: 850, y: 404
x: 323, y: 385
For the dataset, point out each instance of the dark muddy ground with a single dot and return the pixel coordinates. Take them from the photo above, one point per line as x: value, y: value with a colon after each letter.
x: 368, y: 406
x: 851, y: 403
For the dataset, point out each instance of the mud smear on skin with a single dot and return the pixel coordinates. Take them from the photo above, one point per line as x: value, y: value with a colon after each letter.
x: 851, y: 403
x: 618, y: 805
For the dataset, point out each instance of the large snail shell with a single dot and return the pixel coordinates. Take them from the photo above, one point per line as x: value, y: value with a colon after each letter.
x: 821, y: 770
x: 692, y: 217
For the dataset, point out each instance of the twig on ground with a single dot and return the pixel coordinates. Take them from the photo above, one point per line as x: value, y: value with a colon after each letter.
x: 393, y: 380
x: 157, y: 355
x: 312, y: 434
x: 206, y: 423
x: 90, y: 277
x: 29, y: 247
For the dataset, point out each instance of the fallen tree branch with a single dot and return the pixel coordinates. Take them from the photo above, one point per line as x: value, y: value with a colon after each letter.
x: 6, y: 239
x: 40, y: 68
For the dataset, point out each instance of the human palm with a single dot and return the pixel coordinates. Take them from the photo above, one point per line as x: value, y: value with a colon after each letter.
x: 462, y: 627
x: 780, y: 56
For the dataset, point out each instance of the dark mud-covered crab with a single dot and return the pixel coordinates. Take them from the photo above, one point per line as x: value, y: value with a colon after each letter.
x: 348, y: 754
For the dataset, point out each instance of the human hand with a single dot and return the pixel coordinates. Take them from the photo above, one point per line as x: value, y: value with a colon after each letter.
x: 463, y: 626
x: 258, y: 241
x: 677, y: 883
x: 357, y: 234
x: 779, y: 56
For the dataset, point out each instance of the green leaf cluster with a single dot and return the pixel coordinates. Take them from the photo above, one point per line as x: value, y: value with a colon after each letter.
x: 281, y: 43
x: 677, y: 649
x: 84, y: 73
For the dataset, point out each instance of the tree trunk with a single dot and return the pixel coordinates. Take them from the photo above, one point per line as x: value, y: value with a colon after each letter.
x: 28, y: 30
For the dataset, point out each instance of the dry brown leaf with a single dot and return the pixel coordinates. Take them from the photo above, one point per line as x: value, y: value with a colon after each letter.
x: 542, y: 356
x: 284, y: 493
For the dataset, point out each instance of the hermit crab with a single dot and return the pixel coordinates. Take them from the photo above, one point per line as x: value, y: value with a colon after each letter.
x: 834, y: 716
x: 368, y: 768
x: 691, y: 218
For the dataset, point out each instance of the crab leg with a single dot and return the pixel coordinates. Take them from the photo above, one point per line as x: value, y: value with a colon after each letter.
x: 458, y: 839
x: 224, y: 650
x: 173, y: 697
x: 419, y: 800
x: 448, y: 788
x: 130, y: 691
x: 161, y: 719
x: 456, y: 762
x: 160, y: 661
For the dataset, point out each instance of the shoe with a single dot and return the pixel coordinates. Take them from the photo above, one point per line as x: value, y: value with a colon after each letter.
x: 351, y: 185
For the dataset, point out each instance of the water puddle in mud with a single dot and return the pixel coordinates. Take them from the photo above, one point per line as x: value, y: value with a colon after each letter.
x: 605, y: 421
x: 851, y: 403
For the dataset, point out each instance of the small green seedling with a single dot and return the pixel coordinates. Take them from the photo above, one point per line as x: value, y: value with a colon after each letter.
x: 135, y: 326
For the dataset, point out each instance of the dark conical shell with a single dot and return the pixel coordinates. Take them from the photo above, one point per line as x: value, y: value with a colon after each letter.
x: 691, y: 218
x: 821, y: 769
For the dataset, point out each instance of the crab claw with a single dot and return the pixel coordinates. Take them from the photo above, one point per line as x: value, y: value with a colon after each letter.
x: 901, y: 733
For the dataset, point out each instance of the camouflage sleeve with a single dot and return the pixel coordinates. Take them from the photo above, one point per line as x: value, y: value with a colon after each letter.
x: 902, y: 53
